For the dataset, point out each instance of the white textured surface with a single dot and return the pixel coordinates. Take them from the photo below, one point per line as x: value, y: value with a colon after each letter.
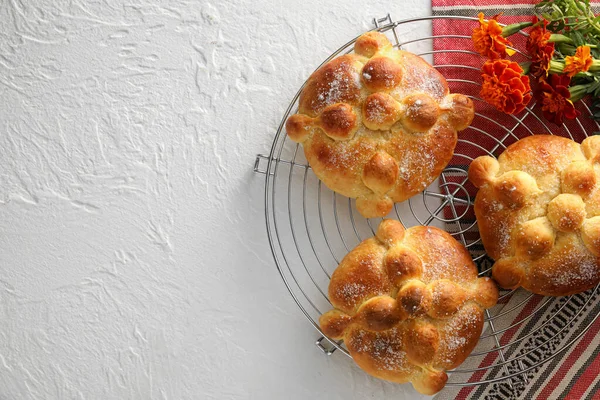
x: 133, y: 258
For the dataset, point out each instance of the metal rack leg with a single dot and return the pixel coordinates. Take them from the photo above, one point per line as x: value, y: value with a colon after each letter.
x: 327, y: 348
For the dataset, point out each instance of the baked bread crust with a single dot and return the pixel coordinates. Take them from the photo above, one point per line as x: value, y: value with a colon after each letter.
x: 378, y: 125
x: 538, y: 210
x: 408, y: 304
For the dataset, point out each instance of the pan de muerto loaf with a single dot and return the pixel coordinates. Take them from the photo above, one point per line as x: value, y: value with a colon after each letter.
x: 378, y: 125
x: 408, y: 304
x: 538, y: 210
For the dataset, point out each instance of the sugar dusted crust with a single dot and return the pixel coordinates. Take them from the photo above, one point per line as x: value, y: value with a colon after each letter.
x: 538, y: 210
x: 378, y: 125
x: 408, y: 304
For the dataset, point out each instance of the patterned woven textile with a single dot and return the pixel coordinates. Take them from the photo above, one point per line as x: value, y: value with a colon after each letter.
x: 575, y: 373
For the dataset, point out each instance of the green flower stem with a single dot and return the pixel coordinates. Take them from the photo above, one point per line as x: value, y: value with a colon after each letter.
x: 558, y: 38
x: 578, y: 91
x: 525, y: 67
x: 587, y: 14
x: 514, y: 28
x: 595, y: 66
x: 576, y: 4
x: 556, y: 67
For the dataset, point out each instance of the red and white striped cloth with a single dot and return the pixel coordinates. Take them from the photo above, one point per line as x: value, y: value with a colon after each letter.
x: 575, y: 373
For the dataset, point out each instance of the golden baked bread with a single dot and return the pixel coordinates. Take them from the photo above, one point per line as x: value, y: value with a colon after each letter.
x: 378, y: 125
x: 408, y: 305
x: 538, y: 210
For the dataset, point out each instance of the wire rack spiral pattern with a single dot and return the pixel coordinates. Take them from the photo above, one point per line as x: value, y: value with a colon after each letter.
x: 311, y: 228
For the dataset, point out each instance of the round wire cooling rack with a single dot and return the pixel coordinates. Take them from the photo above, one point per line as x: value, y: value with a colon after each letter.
x: 311, y: 228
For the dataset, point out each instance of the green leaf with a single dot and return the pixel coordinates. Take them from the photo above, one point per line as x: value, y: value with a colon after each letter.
x: 557, y: 9
x: 593, y: 87
x: 556, y: 26
x: 577, y: 38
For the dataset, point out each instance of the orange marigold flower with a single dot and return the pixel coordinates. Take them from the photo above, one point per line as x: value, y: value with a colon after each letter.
x: 488, y: 39
x: 540, y: 50
x: 580, y: 62
x: 504, y: 86
x: 540, y: 61
x: 538, y: 37
x: 555, y: 99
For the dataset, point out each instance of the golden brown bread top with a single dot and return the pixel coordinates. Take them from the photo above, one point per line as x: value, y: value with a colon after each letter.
x: 378, y: 125
x: 408, y: 305
x: 538, y: 210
